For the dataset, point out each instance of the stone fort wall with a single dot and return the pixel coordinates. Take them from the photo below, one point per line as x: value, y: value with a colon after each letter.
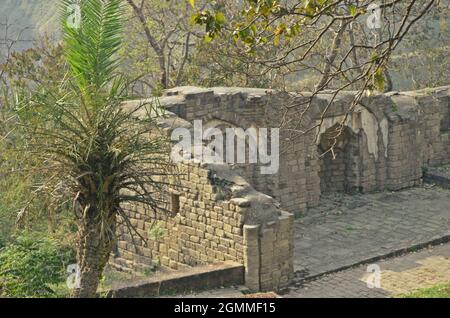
x: 214, y: 216
x: 233, y: 212
x: 393, y: 136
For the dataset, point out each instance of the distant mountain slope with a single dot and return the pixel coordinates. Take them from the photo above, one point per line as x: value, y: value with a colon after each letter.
x: 39, y: 16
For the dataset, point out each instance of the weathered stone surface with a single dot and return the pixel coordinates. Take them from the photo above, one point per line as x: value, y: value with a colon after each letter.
x: 207, y: 231
x: 385, y: 145
x: 193, y: 279
x: 345, y: 230
x: 399, y: 275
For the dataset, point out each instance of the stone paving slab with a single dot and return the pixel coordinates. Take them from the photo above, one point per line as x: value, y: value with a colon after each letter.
x: 438, y: 175
x: 401, y: 274
x: 443, y: 171
x: 229, y: 292
x: 346, y: 230
x: 398, y: 275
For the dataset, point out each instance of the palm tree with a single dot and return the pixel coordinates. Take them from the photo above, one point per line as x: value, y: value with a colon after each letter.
x: 96, y: 153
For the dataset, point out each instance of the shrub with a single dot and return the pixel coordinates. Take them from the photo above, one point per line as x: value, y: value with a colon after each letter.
x: 31, y: 265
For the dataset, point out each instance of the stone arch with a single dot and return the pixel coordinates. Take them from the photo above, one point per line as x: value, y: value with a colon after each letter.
x: 218, y: 123
x: 339, y: 160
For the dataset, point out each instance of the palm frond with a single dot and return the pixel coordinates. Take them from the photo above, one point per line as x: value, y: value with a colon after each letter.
x: 91, y: 49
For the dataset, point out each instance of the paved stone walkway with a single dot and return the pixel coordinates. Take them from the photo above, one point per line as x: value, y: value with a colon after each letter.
x: 398, y: 275
x: 439, y: 175
x: 228, y: 292
x: 443, y: 171
x: 349, y: 229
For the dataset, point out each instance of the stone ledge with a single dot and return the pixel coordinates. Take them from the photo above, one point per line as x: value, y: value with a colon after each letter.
x: 302, y: 278
x: 193, y: 279
x: 439, y: 176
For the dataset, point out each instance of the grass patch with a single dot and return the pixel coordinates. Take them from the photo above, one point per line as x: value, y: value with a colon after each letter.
x: 437, y: 291
x: 31, y: 264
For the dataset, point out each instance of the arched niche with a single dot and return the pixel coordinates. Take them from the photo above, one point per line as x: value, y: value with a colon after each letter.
x: 340, y: 160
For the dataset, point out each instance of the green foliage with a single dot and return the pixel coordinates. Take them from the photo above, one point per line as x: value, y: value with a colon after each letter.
x: 90, y: 149
x: 91, y: 49
x: 31, y: 264
x: 43, y: 64
x: 378, y: 79
x: 213, y: 22
x: 15, y: 190
x: 267, y: 16
x: 320, y: 39
x: 438, y: 291
x: 394, y: 107
x: 82, y: 135
x: 156, y: 232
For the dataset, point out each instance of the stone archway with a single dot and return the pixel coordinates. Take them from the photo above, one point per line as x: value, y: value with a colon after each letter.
x: 340, y: 160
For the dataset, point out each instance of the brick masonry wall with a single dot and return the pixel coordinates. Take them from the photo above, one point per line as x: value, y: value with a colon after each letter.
x: 268, y: 253
x: 434, y: 107
x: 240, y: 107
x: 209, y: 228
x: 230, y: 212
x: 414, y: 124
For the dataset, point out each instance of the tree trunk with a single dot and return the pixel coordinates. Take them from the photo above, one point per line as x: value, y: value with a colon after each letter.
x: 93, y: 251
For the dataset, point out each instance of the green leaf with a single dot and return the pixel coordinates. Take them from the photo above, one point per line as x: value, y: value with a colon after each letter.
x: 378, y: 79
x: 208, y: 38
x: 220, y: 18
x: 194, y: 19
x: 91, y: 49
x: 276, y: 40
x: 192, y: 3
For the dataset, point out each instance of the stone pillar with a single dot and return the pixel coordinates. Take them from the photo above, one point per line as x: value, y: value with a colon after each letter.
x: 269, y: 254
x: 268, y: 261
x: 252, y: 261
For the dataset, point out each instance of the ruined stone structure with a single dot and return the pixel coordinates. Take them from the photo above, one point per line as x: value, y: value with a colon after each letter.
x: 233, y: 212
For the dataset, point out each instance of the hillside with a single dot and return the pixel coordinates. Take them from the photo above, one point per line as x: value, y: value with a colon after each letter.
x: 36, y: 16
